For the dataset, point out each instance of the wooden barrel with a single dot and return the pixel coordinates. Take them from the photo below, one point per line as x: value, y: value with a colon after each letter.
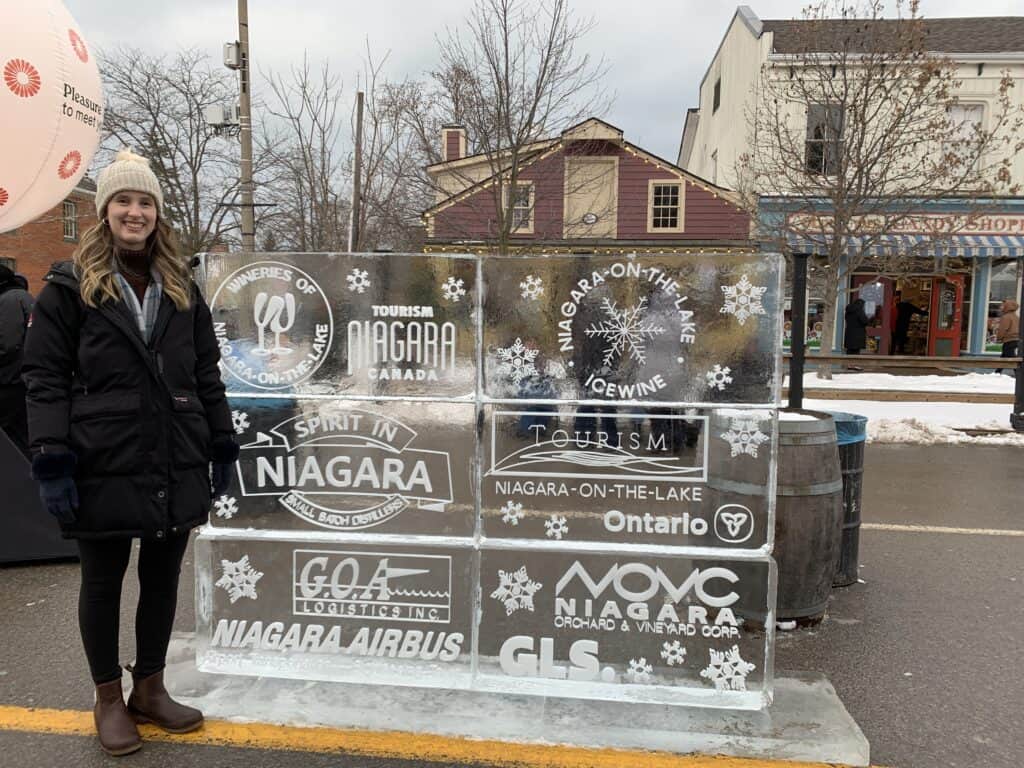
x: 808, y: 513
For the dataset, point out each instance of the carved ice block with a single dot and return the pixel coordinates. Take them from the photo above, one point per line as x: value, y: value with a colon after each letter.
x: 666, y: 628
x: 335, y: 610
x: 694, y: 328
x: 345, y: 324
x: 395, y: 466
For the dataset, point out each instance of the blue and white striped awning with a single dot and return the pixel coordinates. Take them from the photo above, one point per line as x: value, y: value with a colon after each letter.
x: 959, y: 246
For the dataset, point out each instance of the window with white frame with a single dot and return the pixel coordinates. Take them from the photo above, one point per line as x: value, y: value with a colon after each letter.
x: 665, y: 209
x: 522, y: 207
x: 965, y: 126
x: 70, y: 221
x: 824, y: 144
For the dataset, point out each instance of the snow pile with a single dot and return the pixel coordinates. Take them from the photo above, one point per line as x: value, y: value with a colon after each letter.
x: 967, y: 382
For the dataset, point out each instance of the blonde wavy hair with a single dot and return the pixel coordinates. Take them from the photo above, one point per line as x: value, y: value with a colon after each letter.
x: 94, y: 262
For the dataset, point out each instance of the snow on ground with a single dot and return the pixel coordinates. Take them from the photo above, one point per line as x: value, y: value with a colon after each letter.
x: 967, y: 382
x: 927, y: 423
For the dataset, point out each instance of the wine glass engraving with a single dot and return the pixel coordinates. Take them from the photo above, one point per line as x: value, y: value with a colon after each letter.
x: 276, y: 313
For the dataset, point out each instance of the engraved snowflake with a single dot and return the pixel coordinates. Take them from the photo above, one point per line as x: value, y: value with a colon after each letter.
x: 240, y: 421
x: 239, y: 579
x: 512, y: 512
x: 358, y: 280
x: 718, y: 377
x: 727, y: 670
x: 744, y: 437
x: 557, y: 526
x: 226, y: 507
x: 625, y: 329
x: 532, y: 287
x: 515, y: 590
x: 639, y: 671
x: 517, y: 361
x: 452, y: 289
x: 673, y: 653
x: 743, y: 300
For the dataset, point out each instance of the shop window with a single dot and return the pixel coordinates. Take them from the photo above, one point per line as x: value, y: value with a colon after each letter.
x: 665, y: 210
x: 1004, y: 284
x: 70, y: 221
x: 824, y: 143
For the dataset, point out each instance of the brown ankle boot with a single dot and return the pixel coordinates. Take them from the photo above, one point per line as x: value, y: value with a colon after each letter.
x: 149, y: 702
x: 118, y: 734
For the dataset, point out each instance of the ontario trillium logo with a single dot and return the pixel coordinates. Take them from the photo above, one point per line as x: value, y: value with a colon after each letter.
x: 273, y: 324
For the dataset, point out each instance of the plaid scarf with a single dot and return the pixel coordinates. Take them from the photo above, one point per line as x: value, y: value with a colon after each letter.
x: 145, y: 313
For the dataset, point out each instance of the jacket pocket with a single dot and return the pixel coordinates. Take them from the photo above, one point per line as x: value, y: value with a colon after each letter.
x: 106, y: 433
x: 190, y: 431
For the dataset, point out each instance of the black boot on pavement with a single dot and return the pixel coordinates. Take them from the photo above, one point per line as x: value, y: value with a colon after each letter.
x: 117, y: 732
x: 149, y: 702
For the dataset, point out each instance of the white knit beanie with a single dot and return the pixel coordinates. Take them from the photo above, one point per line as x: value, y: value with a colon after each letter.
x: 128, y: 172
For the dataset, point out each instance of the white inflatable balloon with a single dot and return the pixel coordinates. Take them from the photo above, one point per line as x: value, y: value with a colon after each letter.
x: 51, y: 108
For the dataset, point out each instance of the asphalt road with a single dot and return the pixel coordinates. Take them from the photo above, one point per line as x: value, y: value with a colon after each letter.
x: 924, y: 653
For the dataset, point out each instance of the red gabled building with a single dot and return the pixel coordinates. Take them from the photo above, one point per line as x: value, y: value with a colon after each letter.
x: 586, y: 191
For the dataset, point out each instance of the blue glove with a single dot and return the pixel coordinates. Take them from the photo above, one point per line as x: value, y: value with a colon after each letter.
x: 55, y: 472
x: 221, y: 478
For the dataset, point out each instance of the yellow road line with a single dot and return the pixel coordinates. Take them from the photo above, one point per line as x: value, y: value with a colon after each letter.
x: 391, y: 744
x: 941, y: 529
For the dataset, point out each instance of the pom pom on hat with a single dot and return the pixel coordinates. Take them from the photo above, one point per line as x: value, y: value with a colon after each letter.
x: 128, y: 172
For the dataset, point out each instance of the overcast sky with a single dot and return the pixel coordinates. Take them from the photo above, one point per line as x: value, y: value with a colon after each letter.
x: 657, y: 50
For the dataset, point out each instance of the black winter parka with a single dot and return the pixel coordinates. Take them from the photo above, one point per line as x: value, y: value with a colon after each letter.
x: 140, y: 419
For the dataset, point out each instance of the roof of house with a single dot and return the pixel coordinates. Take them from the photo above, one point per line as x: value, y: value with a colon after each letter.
x: 991, y: 34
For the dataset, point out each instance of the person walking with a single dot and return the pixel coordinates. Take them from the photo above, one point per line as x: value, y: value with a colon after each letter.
x: 15, y: 310
x: 1008, y: 330
x: 855, y: 332
x: 126, y: 412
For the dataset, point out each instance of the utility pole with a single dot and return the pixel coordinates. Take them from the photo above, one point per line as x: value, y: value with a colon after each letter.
x: 798, y: 322
x: 245, y: 132
x: 357, y: 178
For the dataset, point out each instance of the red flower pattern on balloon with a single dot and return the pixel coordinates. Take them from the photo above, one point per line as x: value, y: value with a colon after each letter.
x: 22, y: 78
x: 79, y: 45
x: 4, y: 197
x: 70, y: 164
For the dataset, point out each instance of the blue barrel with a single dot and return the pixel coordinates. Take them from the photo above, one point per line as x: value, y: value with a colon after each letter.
x: 851, y: 434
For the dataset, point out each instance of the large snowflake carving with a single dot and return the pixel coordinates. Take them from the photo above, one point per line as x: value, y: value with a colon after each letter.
x: 358, y: 280
x: 532, y: 287
x: 673, y: 653
x: 639, y: 671
x: 727, y: 670
x: 512, y: 512
x: 226, y: 507
x: 517, y: 361
x: 453, y: 289
x: 516, y: 590
x: 626, y: 330
x: 744, y: 437
x: 240, y: 421
x: 557, y: 526
x: 718, y: 377
x: 239, y: 579
x: 743, y: 300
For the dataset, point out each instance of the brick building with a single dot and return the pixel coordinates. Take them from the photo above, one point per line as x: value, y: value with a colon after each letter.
x: 32, y: 248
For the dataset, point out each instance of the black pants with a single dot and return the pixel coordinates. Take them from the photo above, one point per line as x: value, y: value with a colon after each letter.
x: 13, y: 416
x: 104, y: 563
x: 1009, y: 350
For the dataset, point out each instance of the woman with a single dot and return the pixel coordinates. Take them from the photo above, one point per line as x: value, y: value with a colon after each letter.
x: 855, y: 334
x: 126, y: 411
x: 1008, y: 330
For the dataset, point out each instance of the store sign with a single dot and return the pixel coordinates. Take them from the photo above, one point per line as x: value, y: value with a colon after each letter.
x: 590, y: 517
x: 933, y: 224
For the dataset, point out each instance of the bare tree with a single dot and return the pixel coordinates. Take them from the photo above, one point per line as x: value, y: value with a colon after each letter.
x: 305, y: 178
x: 862, y: 131
x: 514, y: 77
x: 156, y: 106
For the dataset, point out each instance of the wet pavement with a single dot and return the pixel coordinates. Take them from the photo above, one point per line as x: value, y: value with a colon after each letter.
x: 924, y: 653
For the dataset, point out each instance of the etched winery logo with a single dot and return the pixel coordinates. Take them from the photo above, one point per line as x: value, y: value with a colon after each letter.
x: 608, y: 343
x: 273, y: 325
x: 406, y: 343
x: 379, y: 586
x: 345, y: 470
x: 594, y: 447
